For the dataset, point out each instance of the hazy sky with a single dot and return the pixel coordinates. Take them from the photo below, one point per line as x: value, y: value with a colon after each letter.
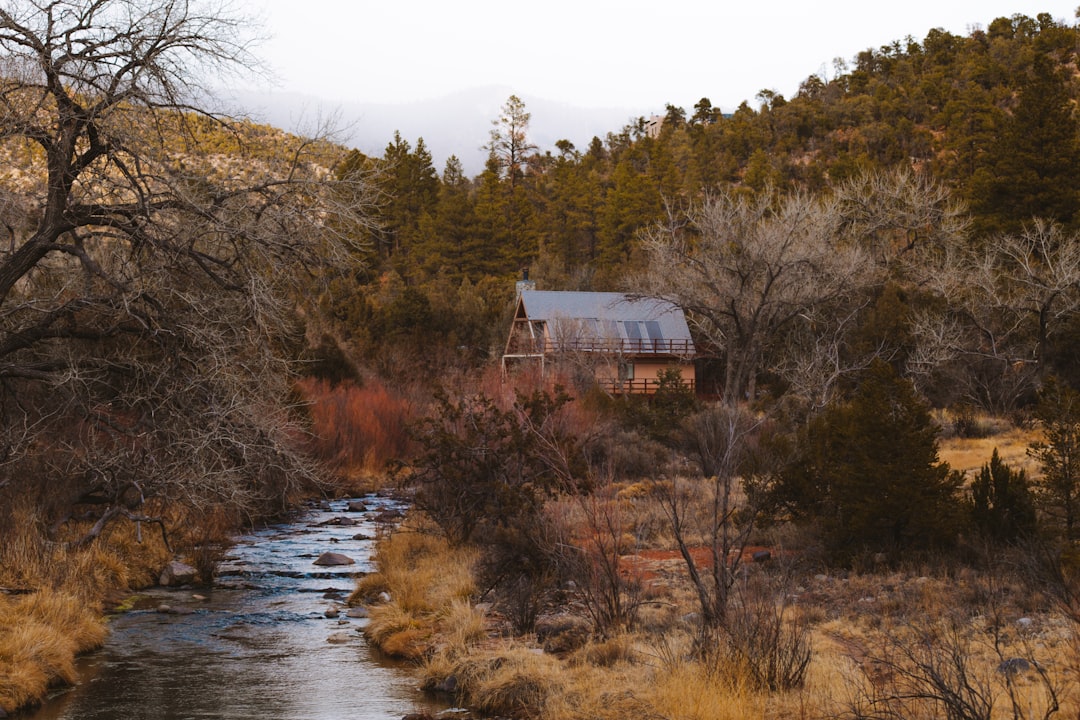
x: 593, y: 53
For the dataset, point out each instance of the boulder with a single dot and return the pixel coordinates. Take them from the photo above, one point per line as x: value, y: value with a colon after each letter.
x: 339, y: 638
x: 356, y: 506
x: 177, y: 573
x: 332, y: 611
x: 332, y: 559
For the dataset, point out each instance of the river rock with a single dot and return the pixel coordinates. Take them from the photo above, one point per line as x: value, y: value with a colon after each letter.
x: 332, y: 611
x: 357, y: 612
x: 357, y: 506
x: 177, y: 573
x: 340, y: 521
x: 333, y: 559
x: 339, y: 638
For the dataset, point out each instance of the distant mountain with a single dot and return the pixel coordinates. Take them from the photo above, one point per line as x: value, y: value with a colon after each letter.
x: 457, y: 124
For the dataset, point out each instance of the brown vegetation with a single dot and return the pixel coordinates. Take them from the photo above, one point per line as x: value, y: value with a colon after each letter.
x: 917, y: 633
x: 356, y: 428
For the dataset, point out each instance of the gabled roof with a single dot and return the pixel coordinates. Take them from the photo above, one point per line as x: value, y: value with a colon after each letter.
x: 598, y: 319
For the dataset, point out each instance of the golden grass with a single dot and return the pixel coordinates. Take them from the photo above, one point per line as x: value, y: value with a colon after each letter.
x: 67, y: 585
x: 428, y: 583
x: 40, y: 635
x: 690, y: 691
x: 420, y: 571
x: 970, y: 454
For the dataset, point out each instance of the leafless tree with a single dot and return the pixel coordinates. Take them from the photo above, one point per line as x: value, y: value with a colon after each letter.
x: 747, y: 270
x: 147, y: 307
x: 712, y: 514
x: 1006, y: 299
x: 900, y: 213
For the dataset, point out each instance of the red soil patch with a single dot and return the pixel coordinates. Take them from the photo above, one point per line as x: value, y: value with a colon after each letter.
x: 650, y: 565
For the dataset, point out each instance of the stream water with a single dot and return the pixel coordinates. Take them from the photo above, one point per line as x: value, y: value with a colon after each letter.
x: 258, y: 645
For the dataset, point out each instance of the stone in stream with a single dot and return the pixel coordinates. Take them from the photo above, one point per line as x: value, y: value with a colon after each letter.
x: 357, y: 506
x: 338, y: 522
x: 177, y: 573
x: 332, y: 559
x: 340, y: 638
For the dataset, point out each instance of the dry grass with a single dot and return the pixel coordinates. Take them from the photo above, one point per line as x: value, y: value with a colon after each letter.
x: 420, y: 571
x: 970, y: 454
x: 428, y: 583
x: 66, y: 586
x: 40, y: 635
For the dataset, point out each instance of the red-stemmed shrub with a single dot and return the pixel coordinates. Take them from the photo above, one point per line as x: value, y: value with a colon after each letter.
x: 356, y: 428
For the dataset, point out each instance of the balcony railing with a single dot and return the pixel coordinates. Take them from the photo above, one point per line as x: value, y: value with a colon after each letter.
x: 627, y: 346
x: 647, y: 386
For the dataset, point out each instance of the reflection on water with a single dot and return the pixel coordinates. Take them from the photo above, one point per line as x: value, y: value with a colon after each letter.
x: 256, y: 646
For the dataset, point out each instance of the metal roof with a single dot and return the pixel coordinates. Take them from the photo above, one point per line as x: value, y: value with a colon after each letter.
x: 647, y: 325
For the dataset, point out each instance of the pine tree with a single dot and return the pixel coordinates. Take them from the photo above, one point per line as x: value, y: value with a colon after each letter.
x: 1002, y: 507
x: 1058, y: 455
x: 869, y: 473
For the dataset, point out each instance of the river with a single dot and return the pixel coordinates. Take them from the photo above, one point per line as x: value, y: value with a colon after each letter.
x: 258, y: 645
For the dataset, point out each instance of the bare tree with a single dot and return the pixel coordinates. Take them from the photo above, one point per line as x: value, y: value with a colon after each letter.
x: 900, y: 214
x: 1006, y: 299
x: 748, y: 270
x: 712, y: 515
x: 146, y: 310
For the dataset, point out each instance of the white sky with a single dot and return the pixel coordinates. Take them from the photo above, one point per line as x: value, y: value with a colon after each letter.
x: 593, y: 53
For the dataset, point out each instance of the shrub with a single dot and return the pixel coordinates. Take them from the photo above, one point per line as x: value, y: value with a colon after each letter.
x: 356, y: 427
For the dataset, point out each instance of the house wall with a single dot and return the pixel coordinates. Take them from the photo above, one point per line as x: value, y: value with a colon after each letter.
x: 644, y: 376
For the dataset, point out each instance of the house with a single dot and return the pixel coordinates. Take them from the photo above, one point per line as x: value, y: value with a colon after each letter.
x: 625, y: 342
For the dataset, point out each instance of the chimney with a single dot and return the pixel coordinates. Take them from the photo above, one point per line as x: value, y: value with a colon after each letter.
x: 525, y: 283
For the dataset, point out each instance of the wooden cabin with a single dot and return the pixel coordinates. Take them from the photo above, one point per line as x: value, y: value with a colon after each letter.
x: 625, y: 342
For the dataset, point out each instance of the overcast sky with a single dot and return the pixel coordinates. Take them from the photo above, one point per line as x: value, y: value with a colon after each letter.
x: 593, y: 53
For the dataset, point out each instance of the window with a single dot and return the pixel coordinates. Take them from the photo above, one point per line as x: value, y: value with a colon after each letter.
x: 653, y: 328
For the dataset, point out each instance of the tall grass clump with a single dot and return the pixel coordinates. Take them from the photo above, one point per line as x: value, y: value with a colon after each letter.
x: 428, y: 583
x: 40, y: 635
x: 356, y: 428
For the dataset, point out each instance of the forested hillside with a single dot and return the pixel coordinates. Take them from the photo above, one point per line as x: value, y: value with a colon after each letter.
x: 983, y: 126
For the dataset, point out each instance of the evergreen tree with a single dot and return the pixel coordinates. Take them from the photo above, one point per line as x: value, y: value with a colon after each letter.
x: 1058, y: 455
x: 868, y: 472
x: 1031, y: 172
x: 1002, y: 507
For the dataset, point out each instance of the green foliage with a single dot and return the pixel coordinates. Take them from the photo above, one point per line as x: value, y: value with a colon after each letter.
x: 1002, y: 506
x: 660, y: 415
x: 868, y: 473
x: 1058, y: 454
